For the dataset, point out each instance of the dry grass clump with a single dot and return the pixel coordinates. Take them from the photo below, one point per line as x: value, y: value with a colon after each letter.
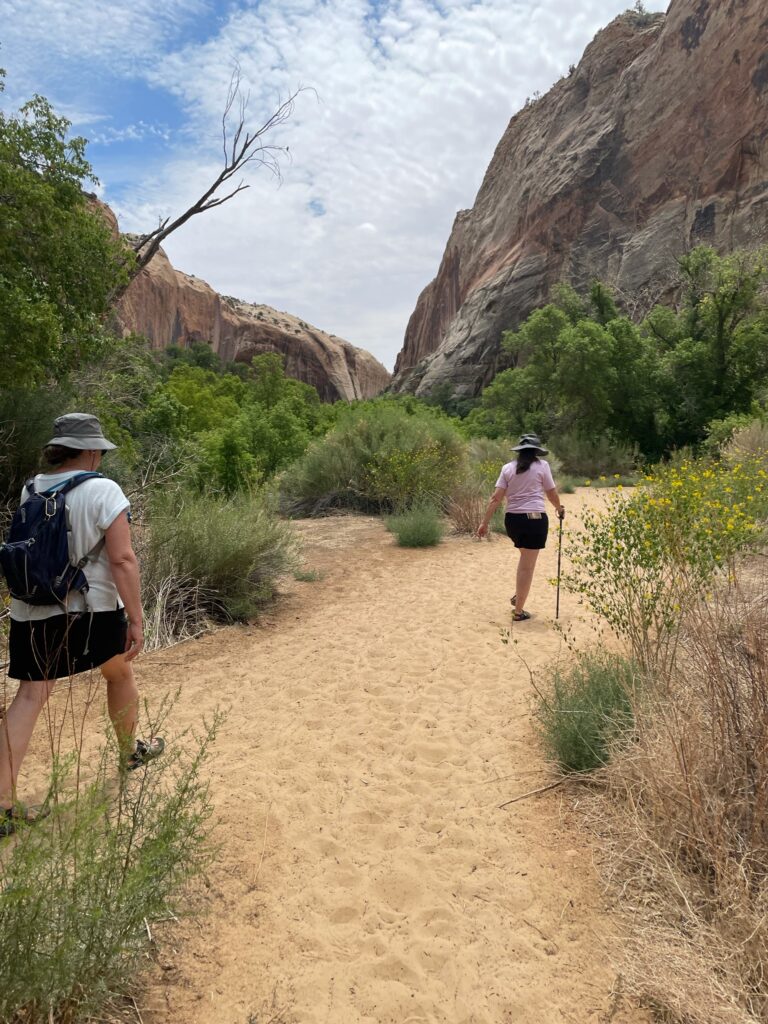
x: 466, y: 503
x: 748, y: 442
x: 687, y: 814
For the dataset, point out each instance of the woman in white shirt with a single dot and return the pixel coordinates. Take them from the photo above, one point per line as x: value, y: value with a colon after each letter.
x: 524, y: 483
x: 100, y: 628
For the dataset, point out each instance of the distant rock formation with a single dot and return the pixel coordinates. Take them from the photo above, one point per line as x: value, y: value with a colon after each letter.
x: 172, y: 308
x: 656, y: 142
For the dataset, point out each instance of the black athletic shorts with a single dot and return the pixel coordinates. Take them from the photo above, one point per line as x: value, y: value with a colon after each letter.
x: 525, y: 532
x: 65, y: 644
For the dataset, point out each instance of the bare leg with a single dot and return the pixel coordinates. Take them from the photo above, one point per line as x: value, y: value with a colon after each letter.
x: 16, y: 731
x: 525, y: 569
x: 122, y: 700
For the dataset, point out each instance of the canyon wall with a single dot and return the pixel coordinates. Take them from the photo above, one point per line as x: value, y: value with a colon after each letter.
x: 173, y: 308
x: 655, y: 143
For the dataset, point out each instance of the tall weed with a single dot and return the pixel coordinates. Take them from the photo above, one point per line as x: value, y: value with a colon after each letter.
x: 81, y: 888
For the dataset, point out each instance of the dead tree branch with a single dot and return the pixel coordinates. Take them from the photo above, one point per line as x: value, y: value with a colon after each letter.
x: 241, y: 147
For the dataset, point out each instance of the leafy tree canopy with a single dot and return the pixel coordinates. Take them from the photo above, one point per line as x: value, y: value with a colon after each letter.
x: 59, y: 261
x: 581, y: 368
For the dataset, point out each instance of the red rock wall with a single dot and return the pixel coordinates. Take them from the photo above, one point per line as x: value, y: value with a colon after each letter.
x: 172, y: 308
x: 656, y: 143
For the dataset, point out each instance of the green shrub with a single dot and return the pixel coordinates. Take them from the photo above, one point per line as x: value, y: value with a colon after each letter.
x: 419, y: 527
x: 308, y: 575
x: 381, y: 456
x: 210, y: 558
x: 596, y: 457
x: 643, y: 560
x: 81, y: 888
x: 586, y: 709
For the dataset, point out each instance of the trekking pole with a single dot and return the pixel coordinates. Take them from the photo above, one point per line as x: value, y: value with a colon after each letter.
x: 559, y: 557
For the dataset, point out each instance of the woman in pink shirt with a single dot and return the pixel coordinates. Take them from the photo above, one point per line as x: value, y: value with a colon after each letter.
x: 524, y: 483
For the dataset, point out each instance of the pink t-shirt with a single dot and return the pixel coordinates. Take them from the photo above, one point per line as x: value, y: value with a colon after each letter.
x: 525, y: 491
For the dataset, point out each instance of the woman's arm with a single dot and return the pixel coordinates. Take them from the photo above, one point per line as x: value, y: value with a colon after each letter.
x: 493, y: 504
x: 554, y: 497
x: 125, y: 572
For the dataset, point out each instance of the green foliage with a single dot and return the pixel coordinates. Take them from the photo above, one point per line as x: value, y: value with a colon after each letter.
x: 26, y: 418
x: 210, y: 557
x: 595, y: 457
x: 79, y: 888
x: 420, y: 526
x: 58, y: 259
x: 381, y: 455
x: 586, y: 709
x: 247, y: 425
x: 720, y: 432
x: 713, y: 355
x: 308, y: 575
x: 645, y: 559
x: 574, y: 372
x: 581, y: 369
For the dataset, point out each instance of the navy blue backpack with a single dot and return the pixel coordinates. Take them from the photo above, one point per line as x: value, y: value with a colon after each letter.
x: 35, y: 559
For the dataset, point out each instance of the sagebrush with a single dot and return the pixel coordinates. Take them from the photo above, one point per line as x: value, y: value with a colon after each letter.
x: 81, y: 888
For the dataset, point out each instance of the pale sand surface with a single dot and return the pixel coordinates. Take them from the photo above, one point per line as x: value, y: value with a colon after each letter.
x: 366, y: 873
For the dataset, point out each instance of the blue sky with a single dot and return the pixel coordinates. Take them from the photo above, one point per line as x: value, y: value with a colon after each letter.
x: 406, y: 102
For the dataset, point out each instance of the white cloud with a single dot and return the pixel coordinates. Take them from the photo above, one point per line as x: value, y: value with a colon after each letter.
x: 114, y: 33
x: 413, y: 97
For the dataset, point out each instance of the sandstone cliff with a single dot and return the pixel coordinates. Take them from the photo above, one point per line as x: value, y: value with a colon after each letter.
x: 172, y: 308
x: 657, y: 142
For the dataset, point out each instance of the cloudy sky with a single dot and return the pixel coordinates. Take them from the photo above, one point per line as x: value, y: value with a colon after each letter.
x: 405, y: 101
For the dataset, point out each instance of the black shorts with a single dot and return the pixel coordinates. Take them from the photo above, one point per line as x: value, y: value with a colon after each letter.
x: 525, y: 532
x: 65, y: 644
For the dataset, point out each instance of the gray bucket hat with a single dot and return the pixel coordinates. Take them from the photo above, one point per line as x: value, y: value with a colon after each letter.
x: 528, y: 442
x: 80, y: 430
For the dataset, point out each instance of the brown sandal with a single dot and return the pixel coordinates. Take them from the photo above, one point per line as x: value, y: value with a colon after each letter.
x: 12, y: 817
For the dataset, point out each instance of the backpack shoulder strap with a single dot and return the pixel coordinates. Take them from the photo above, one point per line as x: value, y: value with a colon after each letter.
x: 73, y: 482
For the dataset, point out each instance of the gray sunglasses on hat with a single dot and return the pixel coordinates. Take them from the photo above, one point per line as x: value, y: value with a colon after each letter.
x: 80, y: 430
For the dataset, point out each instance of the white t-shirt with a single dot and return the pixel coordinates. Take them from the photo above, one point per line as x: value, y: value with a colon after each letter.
x: 92, y: 506
x: 525, y: 491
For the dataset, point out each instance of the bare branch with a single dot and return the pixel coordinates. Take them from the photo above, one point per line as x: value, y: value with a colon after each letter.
x: 239, y: 149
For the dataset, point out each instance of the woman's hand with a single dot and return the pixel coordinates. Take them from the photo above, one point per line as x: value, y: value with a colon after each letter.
x: 561, y: 513
x: 482, y: 530
x: 134, y: 640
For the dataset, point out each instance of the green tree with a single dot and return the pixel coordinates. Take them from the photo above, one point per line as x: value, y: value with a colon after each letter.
x: 58, y: 258
x: 714, y: 348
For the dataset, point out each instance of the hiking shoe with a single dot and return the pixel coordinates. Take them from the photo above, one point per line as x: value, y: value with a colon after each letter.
x: 12, y: 817
x: 145, y: 752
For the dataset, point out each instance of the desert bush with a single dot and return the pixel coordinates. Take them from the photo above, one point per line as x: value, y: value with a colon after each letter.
x: 594, y: 457
x: 747, y: 441
x: 81, y: 888
x: 686, y: 817
x: 466, y: 503
x: 644, y: 560
x: 420, y: 526
x: 586, y: 709
x: 381, y: 456
x: 210, y: 558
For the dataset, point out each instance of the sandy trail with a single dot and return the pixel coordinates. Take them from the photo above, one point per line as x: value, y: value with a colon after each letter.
x: 366, y: 873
